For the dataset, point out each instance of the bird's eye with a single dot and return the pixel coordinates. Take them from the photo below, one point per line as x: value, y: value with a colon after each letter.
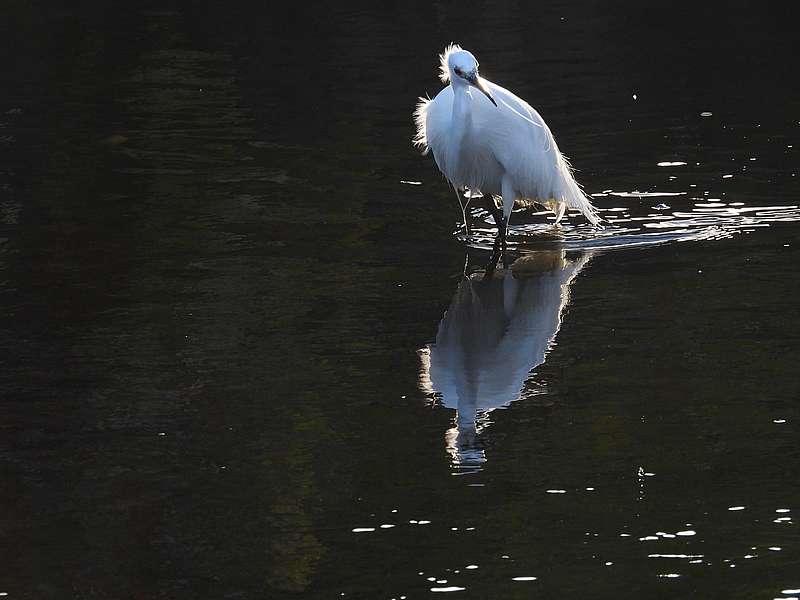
x: 458, y: 71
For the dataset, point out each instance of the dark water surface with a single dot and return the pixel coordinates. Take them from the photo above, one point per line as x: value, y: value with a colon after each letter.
x: 232, y: 339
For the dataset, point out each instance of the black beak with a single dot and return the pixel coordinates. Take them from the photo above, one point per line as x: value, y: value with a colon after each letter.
x: 478, y: 83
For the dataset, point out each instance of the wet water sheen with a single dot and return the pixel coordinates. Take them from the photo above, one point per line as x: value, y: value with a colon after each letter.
x: 248, y: 349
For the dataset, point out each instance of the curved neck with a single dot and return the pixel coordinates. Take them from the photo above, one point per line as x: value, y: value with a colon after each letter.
x: 461, y: 120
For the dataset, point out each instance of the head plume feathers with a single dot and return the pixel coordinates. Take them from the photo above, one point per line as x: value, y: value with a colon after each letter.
x: 444, y: 69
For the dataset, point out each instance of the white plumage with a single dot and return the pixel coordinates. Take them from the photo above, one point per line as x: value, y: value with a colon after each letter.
x: 496, y: 143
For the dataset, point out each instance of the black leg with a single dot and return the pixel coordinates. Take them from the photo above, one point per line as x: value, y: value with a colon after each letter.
x: 499, y: 248
x: 502, y: 234
x: 497, y: 215
x: 491, y: 206
x: 501, y: 223
x: 490, y: 267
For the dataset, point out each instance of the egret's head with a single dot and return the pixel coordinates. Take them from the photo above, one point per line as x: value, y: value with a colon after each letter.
x: 462, y: 64
x: 460, y: 67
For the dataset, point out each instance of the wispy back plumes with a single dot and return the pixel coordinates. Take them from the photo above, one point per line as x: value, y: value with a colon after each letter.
x: 420, y: 115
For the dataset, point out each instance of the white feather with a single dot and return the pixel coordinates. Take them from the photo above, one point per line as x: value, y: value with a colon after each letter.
x: 444, y: 58
x: 480, y: 143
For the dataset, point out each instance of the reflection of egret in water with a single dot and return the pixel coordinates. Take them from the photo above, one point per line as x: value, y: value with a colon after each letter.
x: 494, y: 333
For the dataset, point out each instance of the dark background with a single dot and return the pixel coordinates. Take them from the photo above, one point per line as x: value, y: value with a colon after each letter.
x: 213, y: 288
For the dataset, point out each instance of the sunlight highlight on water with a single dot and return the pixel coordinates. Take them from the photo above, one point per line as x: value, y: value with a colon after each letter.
x: 633, y: 226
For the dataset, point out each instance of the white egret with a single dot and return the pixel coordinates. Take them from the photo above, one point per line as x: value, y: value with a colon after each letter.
x: 495, y: 144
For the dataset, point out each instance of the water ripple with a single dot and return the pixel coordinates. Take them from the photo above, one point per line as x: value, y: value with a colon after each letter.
x: 706, y: 219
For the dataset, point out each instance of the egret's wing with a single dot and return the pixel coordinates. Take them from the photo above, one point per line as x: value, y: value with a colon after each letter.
x: 433, y: 120
x: 524, y: 145
x: 513, y: 128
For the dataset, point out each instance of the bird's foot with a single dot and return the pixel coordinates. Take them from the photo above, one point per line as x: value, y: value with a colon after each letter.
x: 497, y: 252
x: 504, y: 245
x: 491, y: 266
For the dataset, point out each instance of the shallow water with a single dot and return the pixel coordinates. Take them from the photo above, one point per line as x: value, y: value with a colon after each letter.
x: 248, y: 351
